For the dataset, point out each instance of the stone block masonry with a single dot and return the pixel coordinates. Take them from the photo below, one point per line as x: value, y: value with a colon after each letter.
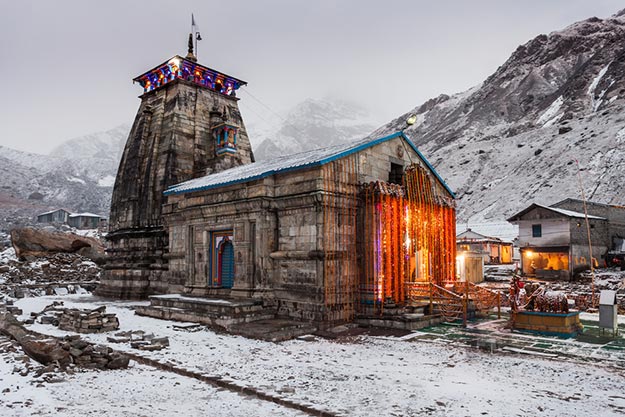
x: 94, y: 321
x: 171, y: 141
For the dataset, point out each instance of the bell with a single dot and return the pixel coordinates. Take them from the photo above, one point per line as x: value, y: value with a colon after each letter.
x: 198, y: 37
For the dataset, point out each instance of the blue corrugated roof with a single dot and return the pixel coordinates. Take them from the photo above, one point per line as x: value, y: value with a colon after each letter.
x: 301, y: 160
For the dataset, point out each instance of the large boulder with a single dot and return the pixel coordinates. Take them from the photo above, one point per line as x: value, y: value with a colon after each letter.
x: 29, y: 241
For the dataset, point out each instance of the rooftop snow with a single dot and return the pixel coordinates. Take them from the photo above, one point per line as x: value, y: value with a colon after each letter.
x: 301, y: 160
x: 567, y: 213
x: 84, y: 215
x: 504, y: 231
x: 52, y: 211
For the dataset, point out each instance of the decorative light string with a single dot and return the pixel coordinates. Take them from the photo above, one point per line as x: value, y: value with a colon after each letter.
x: 414, y: 236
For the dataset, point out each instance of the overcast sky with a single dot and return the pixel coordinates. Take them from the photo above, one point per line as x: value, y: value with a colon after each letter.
x: 68, y: 65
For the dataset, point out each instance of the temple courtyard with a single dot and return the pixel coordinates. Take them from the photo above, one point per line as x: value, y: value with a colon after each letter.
x: 444, y: 370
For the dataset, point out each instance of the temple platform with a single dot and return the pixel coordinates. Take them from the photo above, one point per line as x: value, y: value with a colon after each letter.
x: 414, y: 318
x: 549, y: 324
x: 247, y: 317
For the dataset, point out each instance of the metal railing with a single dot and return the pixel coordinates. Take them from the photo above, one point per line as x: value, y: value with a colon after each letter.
x: 452, y: 300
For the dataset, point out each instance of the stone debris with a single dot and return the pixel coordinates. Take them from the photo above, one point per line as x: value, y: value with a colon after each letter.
x: 191, y: 327
x: 7, y: 306
x: 64, y: 352
x: 69, y: 273
x: 140, y: 340
x: 77, y: 320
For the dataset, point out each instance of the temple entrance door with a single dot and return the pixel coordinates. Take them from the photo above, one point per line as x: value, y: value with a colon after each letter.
x: 226, y: 264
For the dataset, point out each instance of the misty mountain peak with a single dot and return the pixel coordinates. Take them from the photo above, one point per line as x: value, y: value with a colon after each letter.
x: 510, y: 140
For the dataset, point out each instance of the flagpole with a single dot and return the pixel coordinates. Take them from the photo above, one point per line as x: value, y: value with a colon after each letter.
x: 193, y: 32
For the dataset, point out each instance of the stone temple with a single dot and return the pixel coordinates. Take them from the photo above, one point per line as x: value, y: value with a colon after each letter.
x: 325, y: 236
x: 172, y: 139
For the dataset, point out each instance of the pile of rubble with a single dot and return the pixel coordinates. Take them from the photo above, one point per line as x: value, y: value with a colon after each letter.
x: 67, y: 352
x: 139, y: 340
x: 96, y: 321
x: 77, y: 320
x: 7, y: 306
x: 55, y: 274
x: 580, y: 290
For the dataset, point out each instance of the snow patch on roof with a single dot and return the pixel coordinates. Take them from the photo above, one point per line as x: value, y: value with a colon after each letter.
x: 505, y: 231
x: 570, y: 213
x: 85, y: 215
x: 52, y: 211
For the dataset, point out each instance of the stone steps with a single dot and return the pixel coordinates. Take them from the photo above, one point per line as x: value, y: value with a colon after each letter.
x: 211, y: 306
x: 410, y: 321
x: 273, y: 330
x: 217, y: 313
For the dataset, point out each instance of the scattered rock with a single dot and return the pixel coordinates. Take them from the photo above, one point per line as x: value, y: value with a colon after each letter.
x: 29, y: 241
x: 80, y: 321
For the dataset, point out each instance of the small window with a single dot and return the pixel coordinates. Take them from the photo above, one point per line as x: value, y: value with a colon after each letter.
x: 537, y: 230
x: 397, y: 174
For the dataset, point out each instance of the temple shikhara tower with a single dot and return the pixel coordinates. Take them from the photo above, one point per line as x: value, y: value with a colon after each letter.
x: 188, y: 125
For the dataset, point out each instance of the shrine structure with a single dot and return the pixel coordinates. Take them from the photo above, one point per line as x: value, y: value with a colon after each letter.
x: 352, y: 231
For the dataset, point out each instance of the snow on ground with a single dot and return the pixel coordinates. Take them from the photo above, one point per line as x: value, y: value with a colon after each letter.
x: 137, y: 391
x: 596, y: 101
x: 107, y: 181
x: 549, y: 117
x: 76, y: 179
x: 375, y: 376
x: 7, y: 255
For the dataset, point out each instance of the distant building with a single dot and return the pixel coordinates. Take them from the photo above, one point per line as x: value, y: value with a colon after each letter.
x: 554, y: 241
x: 615, y: 214
x: 54, y: 216
x: 492, y: 249
x: 77, y: 220
x: 85, y: 220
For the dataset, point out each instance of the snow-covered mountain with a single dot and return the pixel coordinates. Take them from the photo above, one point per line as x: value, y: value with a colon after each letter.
x: 77, y: 175
x: 313, y: 123
x: 515, y: 138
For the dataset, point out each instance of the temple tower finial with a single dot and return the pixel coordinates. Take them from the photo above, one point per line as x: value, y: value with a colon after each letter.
x: 190, y: 56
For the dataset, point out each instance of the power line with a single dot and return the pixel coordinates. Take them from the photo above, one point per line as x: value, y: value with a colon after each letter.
x: 286, y: 122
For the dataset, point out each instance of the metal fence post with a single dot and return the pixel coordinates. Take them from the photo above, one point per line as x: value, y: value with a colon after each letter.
x: 431, y: 294
x: 465, y: 304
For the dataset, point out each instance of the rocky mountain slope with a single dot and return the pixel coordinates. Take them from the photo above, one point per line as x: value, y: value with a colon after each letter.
x: 313, y: 123
x: 515, y: 138
x: 78, y: 175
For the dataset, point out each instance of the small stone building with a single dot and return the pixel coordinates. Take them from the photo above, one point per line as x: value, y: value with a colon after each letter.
x: 54, y: 216
x: 85, y: 220
x: 493, y: 249
x: 554, y: 241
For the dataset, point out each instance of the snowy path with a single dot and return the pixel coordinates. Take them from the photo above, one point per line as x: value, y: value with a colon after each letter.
x: 380, y: 376
x: 137, y: 391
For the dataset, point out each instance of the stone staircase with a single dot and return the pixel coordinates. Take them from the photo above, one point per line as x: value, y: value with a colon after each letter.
x: 247, y: 317
x: 412, y: 317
